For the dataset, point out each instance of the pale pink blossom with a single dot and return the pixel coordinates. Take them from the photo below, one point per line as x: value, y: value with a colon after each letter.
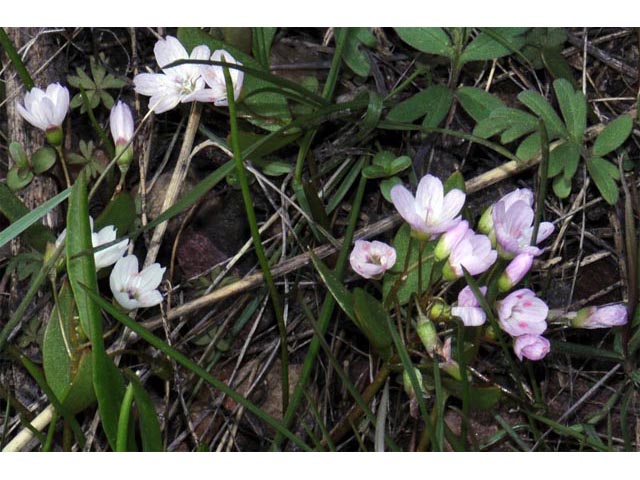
x: 372, y: 259
x: 213, y: 75
x: 182, y: 83
x: 133, y: 289
x: 121, y: 123
x: 431, y: 212
x: 515, y: 271
x: 468, y: 308
x: 600, y: 317
x: 513, y: 225
x: 473, y: 252
x: 522, y: 313
x: 485, y: 225
x: 533, y: 347
x: 45, y: 109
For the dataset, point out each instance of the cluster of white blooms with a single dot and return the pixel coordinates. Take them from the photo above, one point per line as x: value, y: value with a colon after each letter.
x: 187, y: 82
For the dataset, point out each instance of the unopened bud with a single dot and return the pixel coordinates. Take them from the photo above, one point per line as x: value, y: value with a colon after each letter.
x: 515, y: 271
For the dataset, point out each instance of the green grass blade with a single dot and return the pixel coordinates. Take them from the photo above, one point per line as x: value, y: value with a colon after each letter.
x: 123, y: 420
x: 15, y: 59
x: 193, y: 367
x: 9, y: 208
x: 107, y: 381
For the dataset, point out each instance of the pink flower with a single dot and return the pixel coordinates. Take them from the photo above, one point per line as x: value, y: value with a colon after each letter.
x: 486, y: 222
x: 600, y: 317
x: 522, y: 313
x: 430, y: 212
x: 468, y: 308
x: 372, y: 259
x: 533, y: 347
x: 513, y: 226
x: 473, y: 252
x: 515, y: 271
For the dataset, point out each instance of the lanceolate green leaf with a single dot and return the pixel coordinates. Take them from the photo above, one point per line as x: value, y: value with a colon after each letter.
x: 434, y: 102
x: 604, y: 174
x: 371, y: 319
x: 107, y: 381
x: 614, y: 135
x: 477, y: 102
x: 564, y: 156
x: 573, y: 106
x: 432, y: 40
x: 493, y: 43
x: 150, y: 432
x: 336, y: 287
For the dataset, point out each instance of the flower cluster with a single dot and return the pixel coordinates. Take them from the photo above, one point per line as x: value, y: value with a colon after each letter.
x: 187, y: 82
x: 131, y: 289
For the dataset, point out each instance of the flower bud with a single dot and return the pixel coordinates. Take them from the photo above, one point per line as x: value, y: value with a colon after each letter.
x: 450, y: 239
x: 600, y: 317
x: 427, y: 333
x: 485, y: 225
x: 408, y: 386
x: 533, y: 347
x: 515, y: 271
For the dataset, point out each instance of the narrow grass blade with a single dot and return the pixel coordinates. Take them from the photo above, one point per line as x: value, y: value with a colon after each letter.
x: 123, y: 420
x: 107, y: 381
x: 16, y: 61
x: 193, y: 367
x: 38, y: 238
x: 150, y: 432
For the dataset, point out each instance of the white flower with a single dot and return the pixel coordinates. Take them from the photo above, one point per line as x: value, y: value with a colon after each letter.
x: 105, y: 256
x: 133, y: 289
x: 176, y: 84
x: 121, y: 123
x: 45, y: 109
x: 214, y: 76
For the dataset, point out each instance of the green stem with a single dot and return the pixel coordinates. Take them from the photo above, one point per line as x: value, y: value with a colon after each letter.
x: 257, y: 242
x: 123, y: 419
x: 63, y: 164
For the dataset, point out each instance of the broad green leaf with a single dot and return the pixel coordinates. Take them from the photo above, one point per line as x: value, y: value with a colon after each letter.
x: 43, y: 159
x: 120, y: 212
x: 24, y: 220
x: 383, y: 159
x: 477, y: 102
x: 276, y: 168
x: 455, y: 180
x: 66, y: 368
x: 564, y: 157
x: 374, y: 171
x: 561, y: 186
x: 266, y: 107
x: 18, y: 155
x: 387, y: 184
x: 353, y: 56
x: 573, y: 106
x: 343, y: 297
x: 432, y: 40
x: 399, y: 164
x: 370, y: 317
x: 614, y: 135
x: 150, y: 432
x: 557, y: 65
x: 107, y: 381
x: 539, y: 105
x: 529, y: 147
x: 493, y: 43
x: 18, y: 178
x: 407, y: 286
x: 604, y: 174
x: 434, y: 102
